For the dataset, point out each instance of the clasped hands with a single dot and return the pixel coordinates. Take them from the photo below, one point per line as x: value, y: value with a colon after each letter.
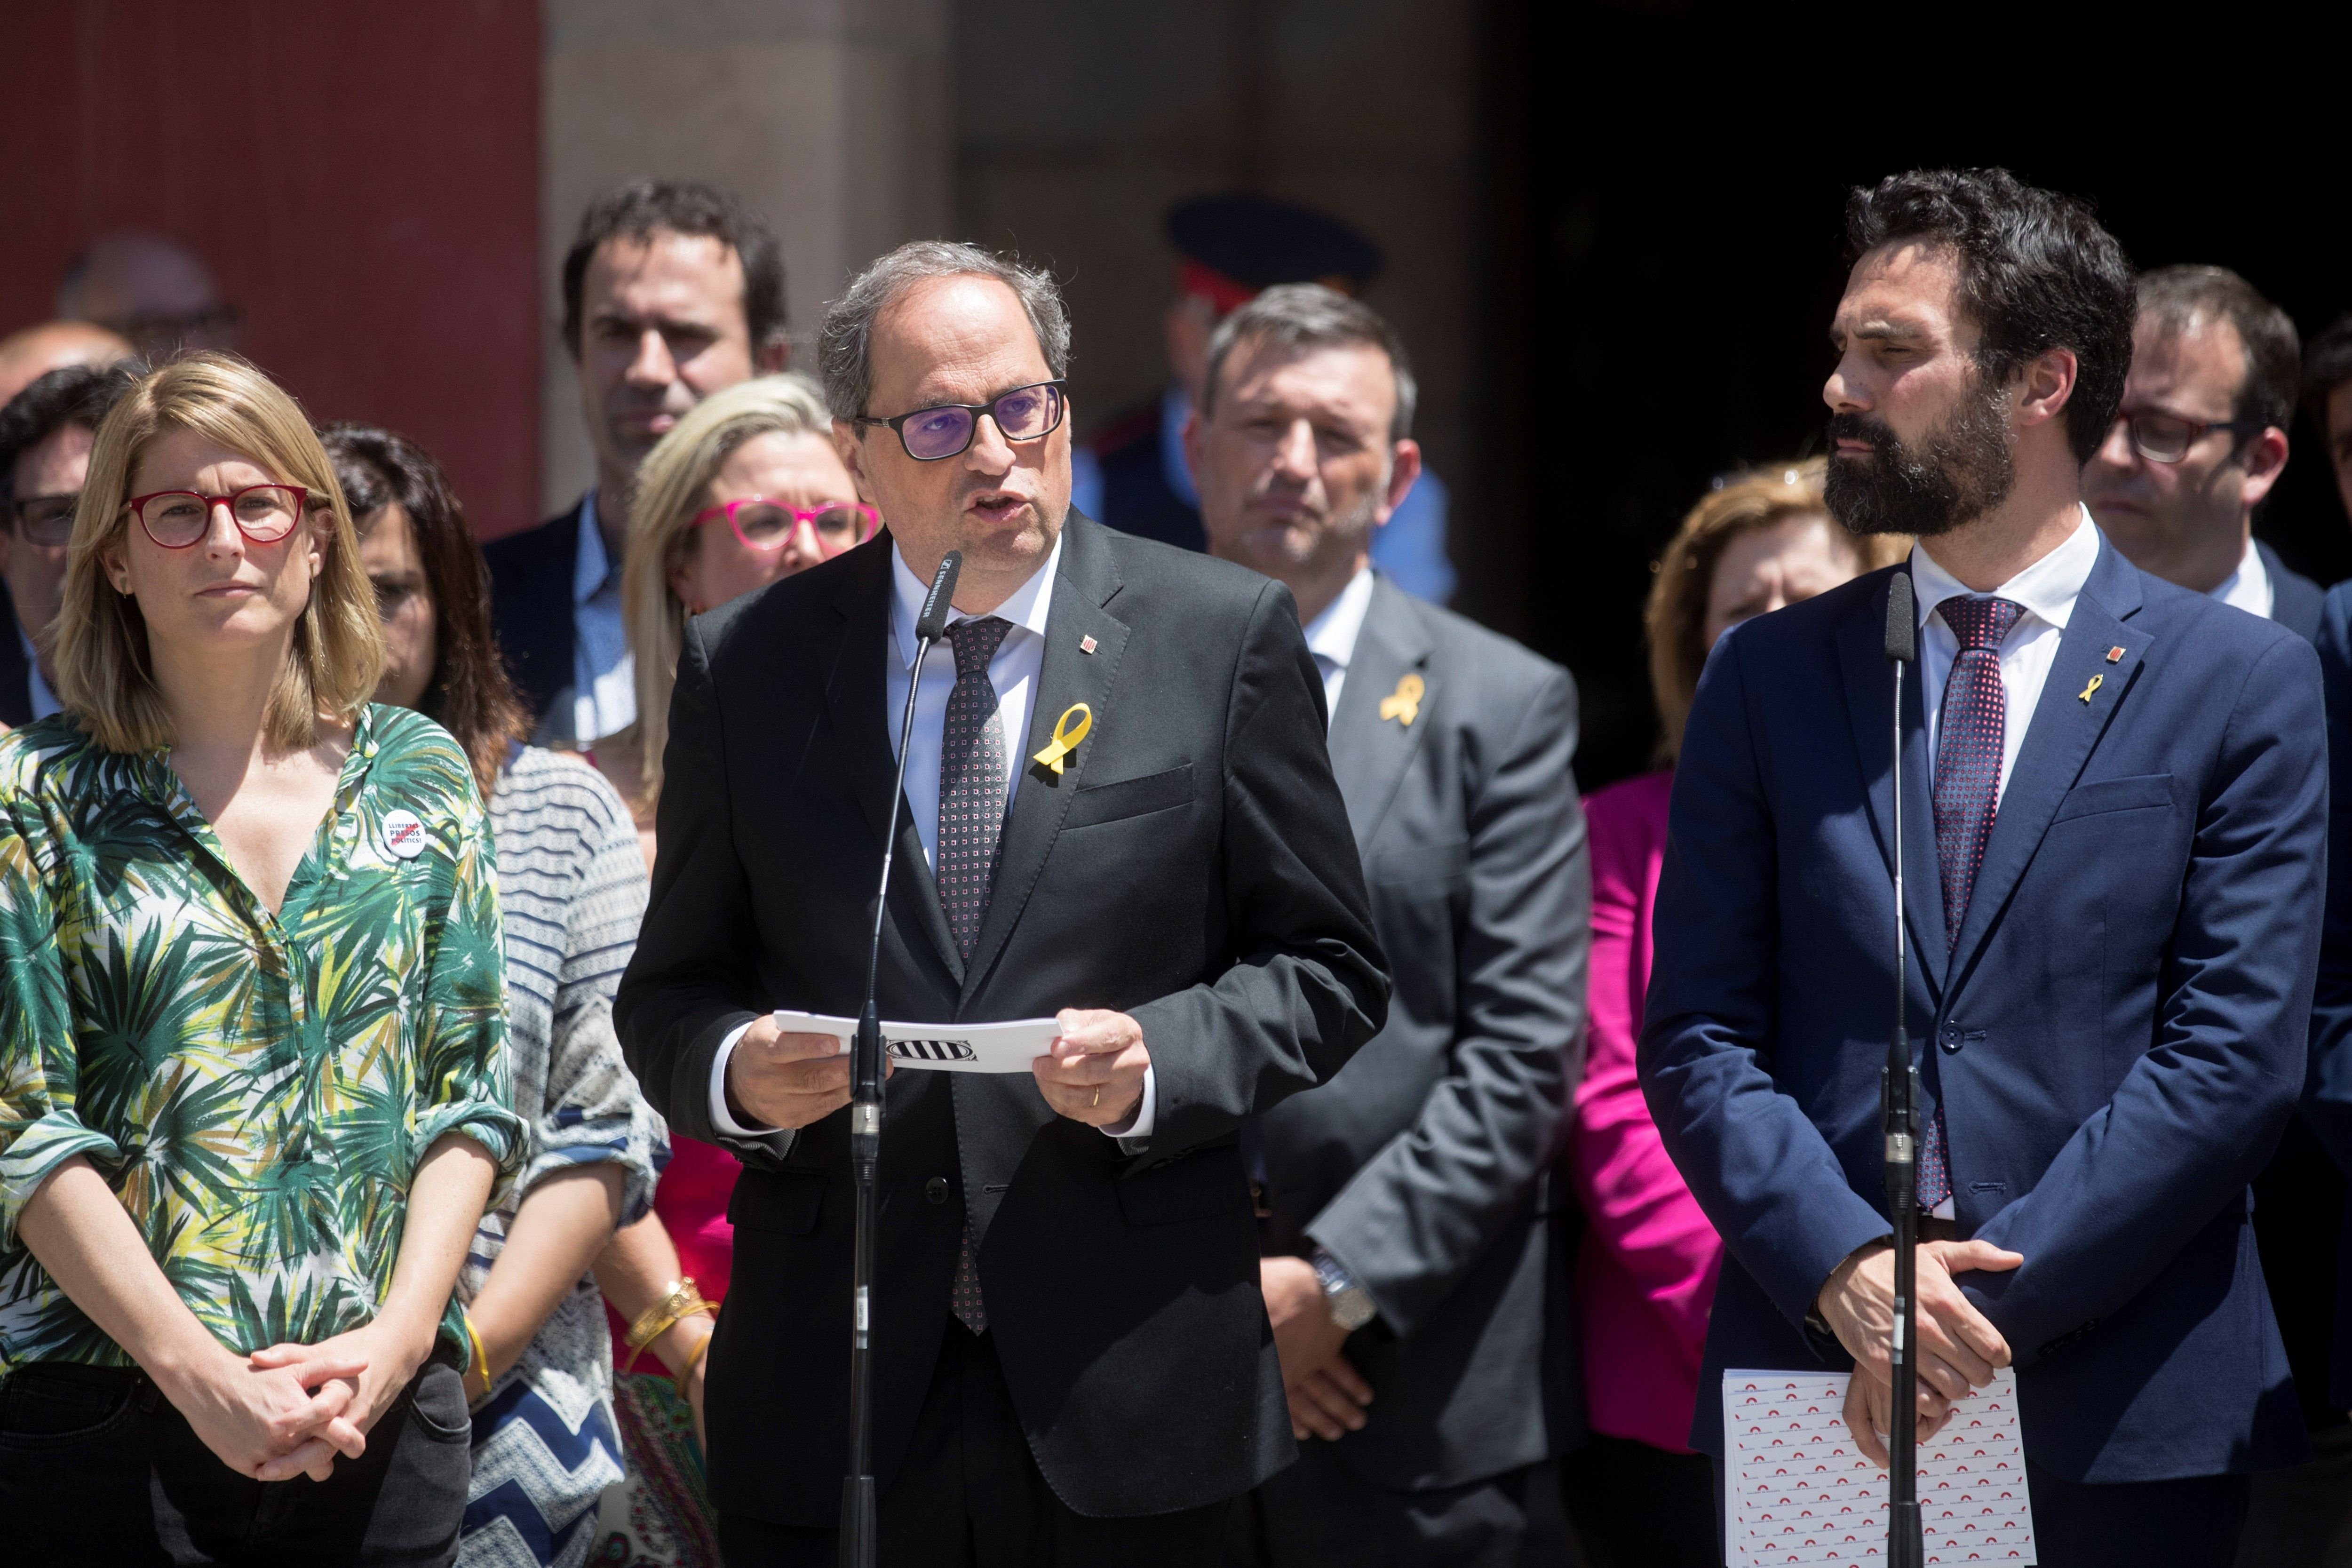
x: 1958, y: 1347
x: 1092, y: 1071
x: 290, y: 1409
x: 1326, y: 1393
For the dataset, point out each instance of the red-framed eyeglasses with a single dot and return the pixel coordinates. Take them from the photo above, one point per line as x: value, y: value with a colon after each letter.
x: 764, y: 523
x: 178, y: 519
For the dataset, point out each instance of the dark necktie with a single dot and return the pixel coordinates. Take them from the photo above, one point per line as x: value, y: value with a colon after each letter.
x: 972, y: 825
x: 1970, y: 730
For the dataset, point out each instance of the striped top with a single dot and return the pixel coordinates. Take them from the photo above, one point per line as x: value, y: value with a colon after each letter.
x: 571, y: 891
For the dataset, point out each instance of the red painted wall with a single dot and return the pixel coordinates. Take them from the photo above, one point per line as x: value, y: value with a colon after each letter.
x: 364, y: 180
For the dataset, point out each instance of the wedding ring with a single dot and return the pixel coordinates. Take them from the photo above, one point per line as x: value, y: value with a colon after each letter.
x: 1098, y: 1104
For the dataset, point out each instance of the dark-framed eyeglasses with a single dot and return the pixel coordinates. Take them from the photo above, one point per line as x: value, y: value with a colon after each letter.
x: 45, y: 520
x: 1023, y: 414
x: 2166, y: 437
x: 764, y: 523
x: 263, y: 513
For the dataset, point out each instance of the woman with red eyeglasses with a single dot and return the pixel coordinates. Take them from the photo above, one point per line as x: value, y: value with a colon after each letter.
x: 747, y: 488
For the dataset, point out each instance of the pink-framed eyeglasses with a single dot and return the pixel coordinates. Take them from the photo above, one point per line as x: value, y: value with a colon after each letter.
x: 764, y: 523
x: 178, y: 519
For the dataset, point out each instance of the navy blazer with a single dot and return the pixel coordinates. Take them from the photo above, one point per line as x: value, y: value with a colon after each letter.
x: 2117, y: 1032
x: 2328, y: 1101
x: 2296, y: 599
x: 532, y: 607
x: 16, y: 669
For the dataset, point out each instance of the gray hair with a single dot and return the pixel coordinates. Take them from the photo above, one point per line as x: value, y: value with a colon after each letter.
x: 846, y: 342
x: 1296, y: 316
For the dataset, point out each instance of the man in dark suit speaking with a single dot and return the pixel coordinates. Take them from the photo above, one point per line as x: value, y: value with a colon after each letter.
x: 1073, y: 1361
x: 1408, y: 1267
x: 2114, y: 827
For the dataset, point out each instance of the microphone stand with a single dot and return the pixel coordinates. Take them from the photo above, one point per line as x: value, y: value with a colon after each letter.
x: 858, y: 1521
x: 1899, y: 1117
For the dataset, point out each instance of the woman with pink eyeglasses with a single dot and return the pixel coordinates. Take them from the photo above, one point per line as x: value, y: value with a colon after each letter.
x: 746, y: 490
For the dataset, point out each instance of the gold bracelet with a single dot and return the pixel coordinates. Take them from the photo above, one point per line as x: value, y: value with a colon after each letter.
x: 693, y: 1358
x: 680, y: 1300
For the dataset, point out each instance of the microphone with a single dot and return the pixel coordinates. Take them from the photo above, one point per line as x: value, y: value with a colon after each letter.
x: 859, y: 1523
x: 1898, y: 1104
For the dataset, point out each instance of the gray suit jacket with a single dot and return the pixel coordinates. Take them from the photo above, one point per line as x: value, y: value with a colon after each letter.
x: 1423, y: 1165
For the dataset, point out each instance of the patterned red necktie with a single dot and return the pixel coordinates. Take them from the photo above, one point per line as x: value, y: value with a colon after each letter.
x: 1970, y: 730
x: 972, y: 825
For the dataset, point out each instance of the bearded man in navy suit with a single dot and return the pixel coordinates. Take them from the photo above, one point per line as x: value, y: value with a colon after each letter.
x: 2115, y: 831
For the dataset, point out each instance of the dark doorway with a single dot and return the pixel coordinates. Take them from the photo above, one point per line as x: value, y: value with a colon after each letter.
x: 1684, y: 175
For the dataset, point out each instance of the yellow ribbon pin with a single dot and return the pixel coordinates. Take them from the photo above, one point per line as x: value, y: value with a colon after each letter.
x: 1061, y: 745
x: 2096, y: 681
x: 1404, y: 704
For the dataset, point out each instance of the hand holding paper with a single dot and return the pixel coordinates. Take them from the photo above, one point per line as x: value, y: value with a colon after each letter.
x: 1959, y: 1349
x: 786, y: 1075
x: 1093, y: 1069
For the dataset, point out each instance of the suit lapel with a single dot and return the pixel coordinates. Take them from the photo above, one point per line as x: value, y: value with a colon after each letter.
x: 2067, y: 723
x: 1869, y: 695
x: 1084, y: 583
x: 1369, y: 753
x: 855, y: 699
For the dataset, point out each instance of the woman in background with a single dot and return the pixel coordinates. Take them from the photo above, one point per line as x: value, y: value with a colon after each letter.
x: 746, y: 490
x: 572, y: 891
x: 1645, y: 1274
x: 252, y: 1065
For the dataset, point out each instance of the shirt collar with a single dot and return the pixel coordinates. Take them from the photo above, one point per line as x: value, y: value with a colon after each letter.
x: 2248, y: 581
x: 2048, y: 588
x: 591, y: 568
x: 1026, y: 609
x: 1332, y: 634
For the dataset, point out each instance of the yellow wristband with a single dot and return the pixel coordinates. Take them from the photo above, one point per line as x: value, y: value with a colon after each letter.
x: 481, y: 1357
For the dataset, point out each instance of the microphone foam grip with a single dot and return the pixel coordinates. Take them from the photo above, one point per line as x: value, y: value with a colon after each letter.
x: 1902, y: 620
x: 932, y: 624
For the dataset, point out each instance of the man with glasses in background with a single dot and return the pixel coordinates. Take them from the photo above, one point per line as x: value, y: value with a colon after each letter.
x: 671, y: 291
x: 45, y: 434
x: 1119, y: 816
x: 2197, y: 445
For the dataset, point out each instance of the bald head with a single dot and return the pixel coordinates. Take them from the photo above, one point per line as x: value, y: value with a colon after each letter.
x: 28, y: 355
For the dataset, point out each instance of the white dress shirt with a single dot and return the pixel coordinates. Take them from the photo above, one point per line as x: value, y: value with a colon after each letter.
x: 604, y: 675
x: 1020, y: 660
x: 1331, y: 637
x: 2046, y: 590
x: 2249, y: 587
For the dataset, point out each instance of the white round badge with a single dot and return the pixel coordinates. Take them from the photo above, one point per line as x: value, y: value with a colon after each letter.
x: 403, y: 835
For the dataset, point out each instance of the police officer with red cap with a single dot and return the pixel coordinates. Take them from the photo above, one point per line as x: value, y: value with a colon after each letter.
x: 1132, y: 474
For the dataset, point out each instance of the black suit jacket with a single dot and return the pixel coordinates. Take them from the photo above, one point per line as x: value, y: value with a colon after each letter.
x: 1191, y: 868
x: 2296, y: 601
x: 16, y: 669
x: 530, y: 605
x: 1424, y: 1166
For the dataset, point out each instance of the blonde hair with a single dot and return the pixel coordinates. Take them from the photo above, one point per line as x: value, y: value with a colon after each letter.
x: 105, y: 677
x: 673, y: 485
x: 1738, y: 504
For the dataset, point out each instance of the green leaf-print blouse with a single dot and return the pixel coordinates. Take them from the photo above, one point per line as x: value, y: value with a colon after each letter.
x: 256, y: 1089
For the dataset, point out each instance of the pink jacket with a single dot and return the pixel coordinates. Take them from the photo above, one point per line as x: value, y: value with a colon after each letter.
x: 1645, y: 1275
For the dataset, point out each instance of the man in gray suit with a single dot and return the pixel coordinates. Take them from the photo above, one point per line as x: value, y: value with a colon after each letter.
x: 1405, y: 1209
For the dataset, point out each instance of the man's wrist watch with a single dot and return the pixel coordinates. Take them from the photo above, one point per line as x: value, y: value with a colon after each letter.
x: 1351, y: 1305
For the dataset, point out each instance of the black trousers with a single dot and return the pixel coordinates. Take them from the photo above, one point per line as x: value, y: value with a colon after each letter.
x: 970, y: 1495
x: 1320, y: 1511
x: 1632, y: 1506
x: 97, y: 1467
x: 2302, y: 1517
x: 2193, y: 1523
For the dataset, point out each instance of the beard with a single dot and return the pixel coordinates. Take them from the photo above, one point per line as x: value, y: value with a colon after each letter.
x: 1957, y: 473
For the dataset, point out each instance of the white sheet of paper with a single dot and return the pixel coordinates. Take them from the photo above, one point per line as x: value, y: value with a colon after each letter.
x: 940, y: 1047
x: 1796, y: 1490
